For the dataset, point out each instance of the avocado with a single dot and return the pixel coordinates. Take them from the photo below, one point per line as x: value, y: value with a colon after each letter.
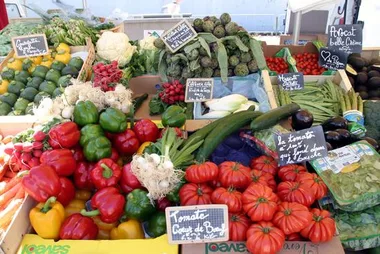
x: 374, y: 83
x: 374, y: 98
x: 365, y: 69
x: 357, y: 63
x: 375, y: 67
x: 352, y: 81
x: 375, y: 61
x: 364, y: 95
x: 361, y: 89
x: 373, y: 73
x: 373, y: 93
x: 351, y: 71
x: 361, y: 78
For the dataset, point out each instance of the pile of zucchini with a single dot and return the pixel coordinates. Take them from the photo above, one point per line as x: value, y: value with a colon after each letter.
x: 27, y: 87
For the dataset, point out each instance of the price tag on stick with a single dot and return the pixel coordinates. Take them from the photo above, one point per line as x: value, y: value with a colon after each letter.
x: 299, y: 146
x: 197, y: 224
x: 30, y: 45
x: 333, y: 60
x: 179, y: 36
x: 199, y: 89
x: 291, y: 81
x: 346, y: 38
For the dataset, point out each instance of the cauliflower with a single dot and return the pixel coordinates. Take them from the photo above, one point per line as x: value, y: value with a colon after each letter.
x: 115, y: 46
x: 148, y: 43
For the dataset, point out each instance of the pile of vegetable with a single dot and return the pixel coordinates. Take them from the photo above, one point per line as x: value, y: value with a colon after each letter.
x: 221, y: 49
x: 277, y: 64
x: 372, y: 119
x: 262, y: 212
x: 364, y: 76
x: 307, y: 63
x: 25, y: 82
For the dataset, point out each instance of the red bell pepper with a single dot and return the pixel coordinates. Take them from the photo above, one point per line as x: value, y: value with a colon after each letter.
x: 78, y: 154
x: 41, y: 183
x: 64, y: 135
x: 82, y: 178
x: 67, y: 193
x: 128, y: 181
x: 115, y: 155
x: 146, y: 130
x: 61, y: 160
x: 109, y: 204
x: 126, y: 142
x: 78, y: 227
x: 105, y: 174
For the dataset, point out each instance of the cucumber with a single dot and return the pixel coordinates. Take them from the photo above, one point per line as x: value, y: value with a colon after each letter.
x: 138, y: 101
x: 274, y: 116
x: 222, y: 131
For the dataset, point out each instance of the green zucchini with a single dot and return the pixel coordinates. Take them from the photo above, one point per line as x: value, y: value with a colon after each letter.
x: 8, y: 74
x: 4, y: 108
x: 29, y: 93
x: 39, y: 97
x: 57, y: 92
x: 15, y: 87
x: 9, y: 98
x: 29, y: 109
x: 47, y: 87
x: 76, y: 62
x: 273, y: 117
x: 34, y: 82
x: 57, y: 65
x: 40, y: 71
x: 222, y: 131
x: 53, y: 76
x: 21, y: 104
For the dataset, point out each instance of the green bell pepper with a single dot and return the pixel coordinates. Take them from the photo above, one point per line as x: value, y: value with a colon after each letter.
x: 97, y: 148
x: 85, y: 112
x: 89, y: 132
x: 4, y: 109
x: 173, y: 116
x: 173, y: 196
x: 138, y: 205
x: 113, y: 120
x: 156, y: 225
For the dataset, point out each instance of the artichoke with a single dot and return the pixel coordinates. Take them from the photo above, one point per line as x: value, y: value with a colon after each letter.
x: 245, y: 57
x: 225, y: 18
x: 252, y: 66
x: 187, y: 73
x: 216, y: 73
x: 206, y: 61
x: 231, y: 28
x: 192, y: 55
x: 219, y: 31
x: 202, y: 51
x: 207, y: 72
x: 174, y: 71
x: 208, y: 26
x: 241, y: 70
x: 198, y: 25
x: 233, y: 61
x: 214, y: 63
x: 230, y: 73
x: 213, y: 19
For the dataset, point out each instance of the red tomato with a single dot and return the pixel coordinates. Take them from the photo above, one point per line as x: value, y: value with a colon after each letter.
x: 290, y: 172
x: 264, y: 238
x: 295, y: 192
x: 322, y: 227
x: 195, y: 194
x: 233, y: 174
x: 293, y: 237
x: 291, y: 217
x: 263, y: 178
x: 315, y: 183
x: 264, y: 163
x: 202, y: 173
x: 229, y: 197
x: 238, y: 225
x: 259, y: 202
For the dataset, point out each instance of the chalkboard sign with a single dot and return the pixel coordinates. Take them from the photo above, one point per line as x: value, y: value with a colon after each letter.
x: 299, y: 146
x: 30, y: 45
x: 291, y: 81
x: 346, y: 38
x: 179, y: 36
x: 333, y: 60
x: 197, y: 224
x: 199, y: 89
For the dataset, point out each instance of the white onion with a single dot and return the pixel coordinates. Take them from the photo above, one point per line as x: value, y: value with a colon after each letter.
x: 155, y: 158
x: 168, y: 165
x: 164, y: 184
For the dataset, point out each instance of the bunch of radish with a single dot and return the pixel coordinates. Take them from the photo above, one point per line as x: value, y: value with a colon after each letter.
x: 106, y: 76
x: 172, y: 92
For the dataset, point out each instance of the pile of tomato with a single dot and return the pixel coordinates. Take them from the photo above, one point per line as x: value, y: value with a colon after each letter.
x: 262, y: 211
x: 277, y: 64
x: 308, y: 63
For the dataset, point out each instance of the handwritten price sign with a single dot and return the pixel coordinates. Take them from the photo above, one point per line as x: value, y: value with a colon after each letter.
x: 333, y: 60
x: 31, y: 45
x: 346, y: 38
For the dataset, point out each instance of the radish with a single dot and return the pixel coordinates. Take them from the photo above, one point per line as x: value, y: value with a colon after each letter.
x: 34, y: 162
x: 37, y: 153
x: 27, y: 147
x: 37, y: 145
x: 39, y: 136
x: 9, y: 150
x: 25, y: 157
x: 18, y: 146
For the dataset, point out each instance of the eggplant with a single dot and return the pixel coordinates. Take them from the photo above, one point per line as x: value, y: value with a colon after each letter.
x: 334, y: 123
x: 345, y: 137
x: 372, y: 142
x: 234, y: 141
x: 329, y: 146
x: 302, y: 119
x: 333, y: 138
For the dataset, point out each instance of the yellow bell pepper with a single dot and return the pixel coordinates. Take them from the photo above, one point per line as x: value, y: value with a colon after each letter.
x: 47, y: 218
x: 83, y: 195
x: 104, y: 228
x: 63, y: 56
x: 36, y: 59
x: 3, y: 86
x: 46, y: 62
x: 131, y: 229
x: 15, y: 64
x: 64, y: 47
x: 143, y: 146
x: 75, y: 206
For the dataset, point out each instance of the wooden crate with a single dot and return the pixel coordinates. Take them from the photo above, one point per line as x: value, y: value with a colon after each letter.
x: 340, y: 78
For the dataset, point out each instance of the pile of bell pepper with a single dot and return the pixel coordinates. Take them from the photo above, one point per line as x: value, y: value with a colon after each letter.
x: 84, y: 188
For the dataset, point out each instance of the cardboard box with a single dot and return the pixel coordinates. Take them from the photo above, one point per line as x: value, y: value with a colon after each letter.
x: 271, y: 50
x: 332, y: 247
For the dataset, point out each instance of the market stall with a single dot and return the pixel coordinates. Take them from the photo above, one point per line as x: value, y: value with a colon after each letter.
x: 200, y: 140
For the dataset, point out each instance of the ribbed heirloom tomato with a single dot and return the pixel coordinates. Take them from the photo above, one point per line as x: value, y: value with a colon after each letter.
x: 238, y: 225
x: 259, y: 202
x: 295, y: 192
x: 233, y: 174
x: 290, y: 172
x: 263, y: 178
x: 230, y: 197
x: 315, y: 183
x: 291, y: 217
x: 202, y: 173
x: 195, y: 194
x: 265, y: 163
x: 322, y: 227
x: 264, y: 238
x: 293, y: 237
